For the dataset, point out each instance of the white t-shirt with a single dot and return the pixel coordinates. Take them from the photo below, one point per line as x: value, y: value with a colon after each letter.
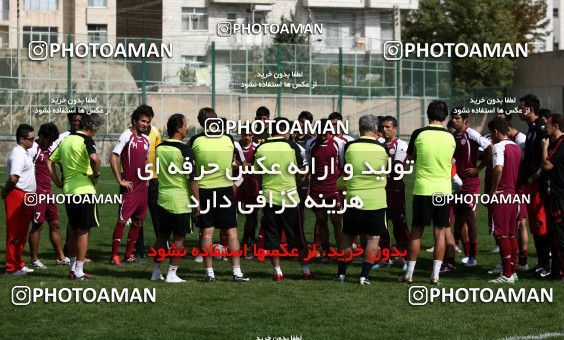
x: 21, y: 164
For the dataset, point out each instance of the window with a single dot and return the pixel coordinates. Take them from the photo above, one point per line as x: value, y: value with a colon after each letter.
x: 555, y: 12
x: 231, y: 18
x: 194, y: 19
x: 97, y: 3
x: 41, y: 5
x: 386, y: 26
x: 255, y: 17
x: 97, y: 33
x: 35, y: 33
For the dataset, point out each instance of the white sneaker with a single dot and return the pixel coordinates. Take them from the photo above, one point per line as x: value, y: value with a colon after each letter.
x: 199, y: 259
x: 458, y: 250
x: 498, y: 269
x: 435, y: 281
x: 503, y: 279
x: 471, y: 262
x: 174, y: 279
x: 27, y: 270
x: 157, y: 277
x: 64, y: 262
x: 464, y: 259
x: 495, y: 250
x: 16, y: 273
x: 38, y: 264
x: 515, y: 277
x: 430, y: 250
x: 523, y: 268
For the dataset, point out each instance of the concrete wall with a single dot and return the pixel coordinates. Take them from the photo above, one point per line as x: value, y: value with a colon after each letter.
x: 543, y: 75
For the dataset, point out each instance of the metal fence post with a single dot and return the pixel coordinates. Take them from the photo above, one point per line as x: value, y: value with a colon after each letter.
x: 213, y: 74
x: 279, y: 70
x: 398, y: 92
x: 144, y: 75
x: 69, y: 70
x: 340, y: 101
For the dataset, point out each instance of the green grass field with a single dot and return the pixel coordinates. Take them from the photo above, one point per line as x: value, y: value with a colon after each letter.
x: 319, y: 309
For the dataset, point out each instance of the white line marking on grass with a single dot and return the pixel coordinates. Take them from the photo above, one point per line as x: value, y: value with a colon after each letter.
x: 529, y: 337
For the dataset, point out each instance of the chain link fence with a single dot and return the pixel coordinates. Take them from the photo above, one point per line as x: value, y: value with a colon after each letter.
x: 234, y: 80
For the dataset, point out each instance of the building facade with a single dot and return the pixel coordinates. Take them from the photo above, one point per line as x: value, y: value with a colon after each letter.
x: 50, y: 20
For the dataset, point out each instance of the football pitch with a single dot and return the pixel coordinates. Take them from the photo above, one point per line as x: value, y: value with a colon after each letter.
x: 262, y: 308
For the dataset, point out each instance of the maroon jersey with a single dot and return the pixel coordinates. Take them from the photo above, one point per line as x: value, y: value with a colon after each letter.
x: 133, y: 151
x: 248, y: 152
x: 326, y: 157
x: 507, y: 154
x: 42, y: 177
x: 468, y: 143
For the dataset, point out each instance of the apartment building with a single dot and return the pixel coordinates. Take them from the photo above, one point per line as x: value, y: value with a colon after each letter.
x: 50, y: 20
x: 356, y: 26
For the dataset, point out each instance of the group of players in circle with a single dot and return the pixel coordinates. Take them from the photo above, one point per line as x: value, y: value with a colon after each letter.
x: 446, y: 161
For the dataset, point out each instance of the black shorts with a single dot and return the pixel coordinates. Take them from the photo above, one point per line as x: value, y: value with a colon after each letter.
x: 371, y: 222
x: 425, y: 213
x: 217, y: 217
x: 289, y: 221
x: 83, y: 215
x: 179, y: 224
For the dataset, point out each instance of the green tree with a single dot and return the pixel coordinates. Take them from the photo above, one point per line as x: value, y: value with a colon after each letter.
x: 290, y: 37
x: 476, y: 21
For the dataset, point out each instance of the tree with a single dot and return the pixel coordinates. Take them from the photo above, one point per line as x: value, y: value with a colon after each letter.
x: 530, y: 19
x: 476, y: 21
x: 295, y: 38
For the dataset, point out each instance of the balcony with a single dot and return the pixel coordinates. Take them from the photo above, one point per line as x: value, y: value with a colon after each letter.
x: 257, y: 2
x: 402, y: 4
x: 335, y: 3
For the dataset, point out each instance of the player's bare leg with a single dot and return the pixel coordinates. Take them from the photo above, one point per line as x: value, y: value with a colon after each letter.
x: 160, y: 243
x: 450, y: 252
x: 275, y: 260
x: 439, y: 252
x: 337, y: 222
x: 81, y: 236
x: 251, y: 221
x: 322, y: 228
x: 55, y: 238
x: 345, y: 245
x: 472, y: 235
x: 71, y: 243
x: 462, y: 228
x: 207, y: 239
x: 413, y: 252
x: 34, y: 234
x: 234, y: 246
